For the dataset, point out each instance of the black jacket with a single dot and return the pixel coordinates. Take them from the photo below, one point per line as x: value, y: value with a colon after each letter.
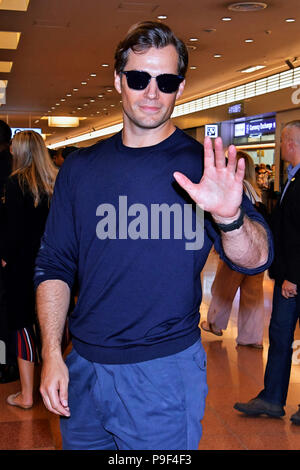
x: 285, y: 224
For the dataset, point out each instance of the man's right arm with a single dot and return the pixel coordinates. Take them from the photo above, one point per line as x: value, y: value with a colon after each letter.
x: 56, y: 267
x: 53, y: 297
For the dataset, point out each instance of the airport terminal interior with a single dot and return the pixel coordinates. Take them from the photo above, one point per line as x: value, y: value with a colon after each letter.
x: 242, y: 84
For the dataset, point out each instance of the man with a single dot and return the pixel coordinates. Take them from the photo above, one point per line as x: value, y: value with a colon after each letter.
x: 285, y: 270
x: 137, y: 370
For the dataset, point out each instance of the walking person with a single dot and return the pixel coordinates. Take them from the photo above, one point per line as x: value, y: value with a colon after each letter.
x: 285, y: 270
x: 250, y: 325
x: 27, y: 198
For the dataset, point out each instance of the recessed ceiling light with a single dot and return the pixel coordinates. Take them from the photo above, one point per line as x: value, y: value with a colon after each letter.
x: 226, y: 18
x: 249, y: 40
x: 98, y: 112
x: 85, y: 104
x: 193, y: 39
x: 83, y: 83
x: 247, y: 6
x: 53, y: 107
x: 217, y: 56
x: 162, y: 17
x: 100, y: 96
x: 193, y: 67
x: 92, y: 101
x: 290, y: 20
x: 63, y: 99
x: 93, y: 75
x: 68, y: 94
x: 253, y: 68
x: 75, y: 89
x: 57, y: 104
x: 79, y: 108
x: 112, y: 105
x: 105, y: 65
x: 109, y: 90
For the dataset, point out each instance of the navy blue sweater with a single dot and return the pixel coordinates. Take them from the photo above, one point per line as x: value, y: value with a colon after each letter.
x: 139, y: 285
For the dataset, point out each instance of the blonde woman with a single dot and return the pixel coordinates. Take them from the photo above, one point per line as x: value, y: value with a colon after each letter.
x: 226, y: 283
x: 27, y: 198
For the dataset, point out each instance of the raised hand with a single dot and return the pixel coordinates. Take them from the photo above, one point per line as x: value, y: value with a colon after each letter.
x: 221, y: 186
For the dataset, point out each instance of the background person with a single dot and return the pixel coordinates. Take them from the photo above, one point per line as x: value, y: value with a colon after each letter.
x: 27, y: 197
x: 250, y: 324
x: 285, y: 270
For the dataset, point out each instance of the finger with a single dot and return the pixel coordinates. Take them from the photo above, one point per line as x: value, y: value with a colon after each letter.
x: 240, y: 171
x: 231, y: 165
x: 63, y: 395
x: 209, y: 156
x: 219, y: 154
x: 55, y: 401
x: 48, y: 405
x: 187, y: 185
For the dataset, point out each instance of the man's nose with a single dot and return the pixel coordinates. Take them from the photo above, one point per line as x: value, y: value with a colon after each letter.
x: 152, y: 91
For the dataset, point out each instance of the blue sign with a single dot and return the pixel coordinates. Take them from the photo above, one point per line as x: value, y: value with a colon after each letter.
x: 235, y: 109
x: 15, y: 130
x: 257, y: 127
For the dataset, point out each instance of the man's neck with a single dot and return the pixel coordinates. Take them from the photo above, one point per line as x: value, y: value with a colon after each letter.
x: 134, y: 136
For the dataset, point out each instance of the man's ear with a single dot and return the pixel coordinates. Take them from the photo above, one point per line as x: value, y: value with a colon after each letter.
x: 118, y: 82
x: 180, y: 89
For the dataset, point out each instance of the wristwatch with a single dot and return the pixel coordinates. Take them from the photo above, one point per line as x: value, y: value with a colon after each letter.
x: 235, y: 224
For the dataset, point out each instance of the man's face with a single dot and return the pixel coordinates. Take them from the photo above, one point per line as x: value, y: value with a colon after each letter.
x: 149, y: 108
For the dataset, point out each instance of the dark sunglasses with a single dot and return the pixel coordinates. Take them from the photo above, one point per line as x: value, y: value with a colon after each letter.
x: 166, y: 82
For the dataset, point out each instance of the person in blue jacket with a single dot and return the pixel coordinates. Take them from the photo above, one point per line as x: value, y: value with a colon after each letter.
x: 134, y: 217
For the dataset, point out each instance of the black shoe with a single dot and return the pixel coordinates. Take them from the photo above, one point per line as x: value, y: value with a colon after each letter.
x: 257, y: 406
x: 295, y: 418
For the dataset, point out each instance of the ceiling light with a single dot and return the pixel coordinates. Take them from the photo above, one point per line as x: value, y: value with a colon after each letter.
x: 290, y: 20
x: 162, y: 17
x: 98, y: 112
x: 226, y: 18
x: 193, y: 39
x: 75, y: 89
x: 85, y: 104
x: 193, y: 67
x: 112, y: 105
x: 83, y: 83
x: 68, y: 94
x: 253, y: 68
x: 217, y: 56
x: 247, y: 6
x: 249, y: 40
x: 109, y: 90
x: 5, y: 66
x: 100, y: 96
x: 63, y: 99
x: 57, y: 104
x: 105, y: 65
x: 16, y: 5
x: 92, y: 101
x: 93, y: 75
x: 63, y: 121
x: 79, y: 108
x: 9, y: 40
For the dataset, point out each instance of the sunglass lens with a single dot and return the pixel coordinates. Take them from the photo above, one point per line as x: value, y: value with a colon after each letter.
x: 137, y: 80
x: 168, y: 83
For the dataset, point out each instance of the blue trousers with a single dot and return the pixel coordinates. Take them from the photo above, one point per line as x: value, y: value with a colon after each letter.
x: 285, y: 313
x: 150, y: 405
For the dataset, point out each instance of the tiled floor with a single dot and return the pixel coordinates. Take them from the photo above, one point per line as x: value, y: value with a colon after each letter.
x: 234, y: 374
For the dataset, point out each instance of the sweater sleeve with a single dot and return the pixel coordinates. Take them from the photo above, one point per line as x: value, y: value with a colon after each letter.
x: 57, y: 257
x: 253, y: 215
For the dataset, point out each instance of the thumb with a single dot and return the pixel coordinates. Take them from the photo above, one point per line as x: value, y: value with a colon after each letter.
x: 63, y: 393
x: 184, y: 182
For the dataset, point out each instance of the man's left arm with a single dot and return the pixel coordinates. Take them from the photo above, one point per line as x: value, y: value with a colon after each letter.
x: 246, y: 240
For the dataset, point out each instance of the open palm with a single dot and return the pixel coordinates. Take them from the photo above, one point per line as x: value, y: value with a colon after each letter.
x: 221, y: 186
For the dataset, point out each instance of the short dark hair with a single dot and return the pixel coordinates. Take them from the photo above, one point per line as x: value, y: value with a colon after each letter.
x: 5, y: 133
x: 150, y: 34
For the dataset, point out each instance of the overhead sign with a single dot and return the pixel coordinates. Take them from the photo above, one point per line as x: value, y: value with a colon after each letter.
x: 257, y: 127
x: 15, y: 130
x: 211, y: 130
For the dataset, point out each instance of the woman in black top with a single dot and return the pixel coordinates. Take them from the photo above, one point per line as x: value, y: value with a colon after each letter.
x: 27, y: 197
